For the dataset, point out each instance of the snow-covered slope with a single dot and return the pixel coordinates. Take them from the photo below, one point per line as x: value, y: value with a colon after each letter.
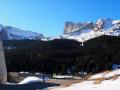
x: 11, y: 33
x: 84, y: 36
x: 106, y: 74
x: 110, y: 84
x: 89, y: 85
x: 101, y: 27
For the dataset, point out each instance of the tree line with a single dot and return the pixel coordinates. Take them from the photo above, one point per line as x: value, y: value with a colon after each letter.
x: 58, y: 55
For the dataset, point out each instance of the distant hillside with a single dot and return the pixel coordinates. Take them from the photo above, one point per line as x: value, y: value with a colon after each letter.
x: 12, y: 33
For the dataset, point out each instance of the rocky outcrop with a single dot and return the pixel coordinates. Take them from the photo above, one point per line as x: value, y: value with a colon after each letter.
x: 72, y: 27
x: 99, y: 24
x: 103, y: 24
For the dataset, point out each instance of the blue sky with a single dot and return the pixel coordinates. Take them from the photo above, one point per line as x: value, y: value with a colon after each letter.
x: 48, y: 16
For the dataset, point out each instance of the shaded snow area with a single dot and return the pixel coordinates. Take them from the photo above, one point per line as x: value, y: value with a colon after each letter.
x: 110, y: 84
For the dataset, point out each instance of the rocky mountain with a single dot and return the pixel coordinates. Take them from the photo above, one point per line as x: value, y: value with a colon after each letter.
x: 12, y: 33
x: 85, y: 31
x: 99, y: 24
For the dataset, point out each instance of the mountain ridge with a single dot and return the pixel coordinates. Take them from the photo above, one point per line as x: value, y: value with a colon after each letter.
x: 82, y: 32
x: 13, y: 33
x: 79, y: 31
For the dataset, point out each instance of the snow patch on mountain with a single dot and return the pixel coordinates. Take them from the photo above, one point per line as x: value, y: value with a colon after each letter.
x: 116, y: 21
x: 84, y: 36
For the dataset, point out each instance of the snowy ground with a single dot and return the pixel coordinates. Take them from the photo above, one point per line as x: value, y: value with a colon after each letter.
x: 112, y: 84
x: 110, y: 81
x: 89, y: 85
x: 106, y: 74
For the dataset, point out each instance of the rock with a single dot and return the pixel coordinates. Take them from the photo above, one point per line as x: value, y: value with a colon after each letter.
x: 72, y: 27
x: 99, y: 24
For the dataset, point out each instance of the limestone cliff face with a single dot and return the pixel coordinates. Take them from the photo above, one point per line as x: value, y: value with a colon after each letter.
x: 72, y: 27
x: 103, y: 24
x: 99, y: 24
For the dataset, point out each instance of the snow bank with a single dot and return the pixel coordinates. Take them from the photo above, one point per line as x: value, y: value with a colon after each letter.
x: 31, y: 79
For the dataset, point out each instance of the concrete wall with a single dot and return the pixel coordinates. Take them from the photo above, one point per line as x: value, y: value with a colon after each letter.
x: 3, y: 69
